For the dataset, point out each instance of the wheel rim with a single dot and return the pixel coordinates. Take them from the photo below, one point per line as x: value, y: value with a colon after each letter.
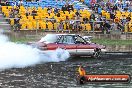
x: 96, y: 54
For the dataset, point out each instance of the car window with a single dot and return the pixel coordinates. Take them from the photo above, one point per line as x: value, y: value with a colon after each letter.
x: 68, y: 40
x: 60, y: 40
x: 80, y: 40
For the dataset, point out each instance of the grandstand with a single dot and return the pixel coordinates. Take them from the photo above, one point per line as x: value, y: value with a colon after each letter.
x: 42, y: 15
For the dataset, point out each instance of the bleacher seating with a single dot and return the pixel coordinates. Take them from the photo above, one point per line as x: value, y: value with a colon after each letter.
x: 38, y: 21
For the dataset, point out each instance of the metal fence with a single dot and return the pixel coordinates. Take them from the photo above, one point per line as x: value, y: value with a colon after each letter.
x: 16, y: 28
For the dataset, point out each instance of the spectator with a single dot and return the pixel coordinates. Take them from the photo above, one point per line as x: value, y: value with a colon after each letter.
x: 34, y: 13
x: 58, y: 14
x: 71, y: 24
x: 128, y: 18
x: 126, y: 27
x: 107, y: 26
x: 56, y: 10
x: 112, y: 16
x: 70, y: 7
x: 60, y: 26
x: 77, y: 26
x: 27, y: 12
x: 77, y: 17
x: 115, y: 8
x: 12, y: 15
x: 96, y: 7
x: 93, y: 2
x: 64, y: 8
x: 119, y: 4
x: 92, y: 16
x: 49, y: 10
x: 17, y: 9
x: 77, y: 13
x: 101, y: 26
x: 114, y: 26
x: 85, y: 20
x: 67, y: 18
x: 81, y: 71
x: 92, y: 6
x: 123, y: 21
x: 20, y: 3
x: 99, y: 18
x: 16, y: 21
x: 108, y: 4
x: 102, y: 3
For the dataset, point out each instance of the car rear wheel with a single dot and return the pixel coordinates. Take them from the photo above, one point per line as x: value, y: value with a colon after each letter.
x: 96, y: 53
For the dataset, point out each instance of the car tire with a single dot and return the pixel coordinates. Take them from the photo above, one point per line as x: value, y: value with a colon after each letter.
x: 96, y: 53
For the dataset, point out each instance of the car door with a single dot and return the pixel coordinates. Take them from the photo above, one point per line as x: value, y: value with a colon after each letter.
x: 83, y: 47
x: 68, y: 43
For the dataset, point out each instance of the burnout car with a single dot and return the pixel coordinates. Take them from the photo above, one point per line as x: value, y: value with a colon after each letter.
x: 73, y: 43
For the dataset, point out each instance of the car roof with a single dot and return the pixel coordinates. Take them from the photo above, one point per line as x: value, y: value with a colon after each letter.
x: 63, y: 34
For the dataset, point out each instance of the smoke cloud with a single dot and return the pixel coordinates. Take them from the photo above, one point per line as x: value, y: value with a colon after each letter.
x: 13, y: 55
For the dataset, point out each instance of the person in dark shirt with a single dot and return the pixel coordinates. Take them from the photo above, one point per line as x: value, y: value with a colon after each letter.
x: 96, y: 6
x: 70, y: 7
x: 112, y: 16
x: 92, y: 16
x: 16, y: 21
x: 48, y: 9
x: 64, y: 8
x: 107, y: 26
x: 128, y: 18
x: 77, y: 13
x: 115, y: 8
x: 58, y: 14
x: 34, y: 12
x: 56, y: 10
x: 85, y: 20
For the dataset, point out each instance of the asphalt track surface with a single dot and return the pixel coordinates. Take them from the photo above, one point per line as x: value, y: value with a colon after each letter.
x: 63, y: 74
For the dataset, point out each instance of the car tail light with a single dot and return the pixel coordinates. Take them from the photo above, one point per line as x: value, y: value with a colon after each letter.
x: 43, y: 47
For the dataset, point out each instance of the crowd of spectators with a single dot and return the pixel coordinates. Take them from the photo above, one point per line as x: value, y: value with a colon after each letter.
x: 97, y: 21
x: 112, y: 8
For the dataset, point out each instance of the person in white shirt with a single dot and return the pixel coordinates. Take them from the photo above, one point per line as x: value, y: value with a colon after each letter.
x: 20, y: 2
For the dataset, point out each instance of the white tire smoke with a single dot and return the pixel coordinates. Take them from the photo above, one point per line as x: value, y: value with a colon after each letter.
x: 14, y: 55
